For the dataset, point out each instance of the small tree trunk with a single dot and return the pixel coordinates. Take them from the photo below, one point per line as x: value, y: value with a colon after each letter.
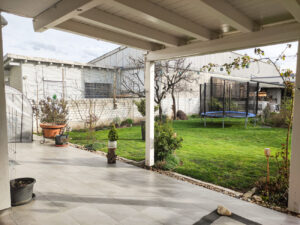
x: 174, y: 104
x: 160, y: 110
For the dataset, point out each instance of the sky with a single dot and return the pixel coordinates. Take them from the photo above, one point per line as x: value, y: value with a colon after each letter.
x: 20, y: 38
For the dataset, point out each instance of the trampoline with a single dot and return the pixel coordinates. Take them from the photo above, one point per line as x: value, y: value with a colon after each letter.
x: 231, y: 114
x: 223, y: 98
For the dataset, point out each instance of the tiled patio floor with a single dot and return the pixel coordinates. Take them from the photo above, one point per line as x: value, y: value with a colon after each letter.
x: 78, y: 187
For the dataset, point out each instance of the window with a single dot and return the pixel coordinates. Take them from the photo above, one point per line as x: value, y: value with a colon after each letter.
x: 98, y: 90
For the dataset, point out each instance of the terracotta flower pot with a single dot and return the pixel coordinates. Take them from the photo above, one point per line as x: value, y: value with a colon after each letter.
x: 50, y: 130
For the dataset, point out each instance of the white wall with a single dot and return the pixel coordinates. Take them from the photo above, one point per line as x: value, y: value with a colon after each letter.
x: 15, y: 78
x: 120, y: 58
x: 103, y: 109
x: 4, y: 177
x: 41, y: 81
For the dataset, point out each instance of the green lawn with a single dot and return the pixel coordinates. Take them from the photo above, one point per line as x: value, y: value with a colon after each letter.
x: 232, y: 157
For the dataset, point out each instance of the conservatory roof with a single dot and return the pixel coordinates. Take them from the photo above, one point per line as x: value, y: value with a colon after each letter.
x: 168, y: 28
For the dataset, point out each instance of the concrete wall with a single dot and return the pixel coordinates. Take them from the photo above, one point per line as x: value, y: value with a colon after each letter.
x: 15, y: 78
x: 41, y: 81
x: 103, y: 109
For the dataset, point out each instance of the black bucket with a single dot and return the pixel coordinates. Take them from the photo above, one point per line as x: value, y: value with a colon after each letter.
x: 24, y: 194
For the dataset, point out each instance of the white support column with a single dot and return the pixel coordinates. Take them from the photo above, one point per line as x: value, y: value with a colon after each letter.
x: 149, y: 88
x: 294, y: 189
x: 4, y: 178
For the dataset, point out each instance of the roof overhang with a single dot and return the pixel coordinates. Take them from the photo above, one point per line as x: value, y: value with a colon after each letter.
x: 169, y: 29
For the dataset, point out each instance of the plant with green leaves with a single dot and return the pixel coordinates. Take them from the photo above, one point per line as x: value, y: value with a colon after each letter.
x: 141, y: 106
x: 113, y: 134
x: 165, y: 141
x: 127, y: 122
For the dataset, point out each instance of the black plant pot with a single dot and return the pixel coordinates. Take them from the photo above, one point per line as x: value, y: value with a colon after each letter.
x: 61, y: 140
x: 21, y: 190
x: 143, y: 124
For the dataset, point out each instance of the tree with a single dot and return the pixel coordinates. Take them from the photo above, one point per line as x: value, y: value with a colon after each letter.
x: 133, y: 81
x: 167, y: 79
x: 174, y: 79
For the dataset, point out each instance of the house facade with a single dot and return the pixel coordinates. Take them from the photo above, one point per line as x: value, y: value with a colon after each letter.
x: 188, y: 99
x: 99, y: 84
x: 82, y: 85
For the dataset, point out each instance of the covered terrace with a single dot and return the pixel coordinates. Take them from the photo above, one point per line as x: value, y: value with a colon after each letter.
x: 168, y: 29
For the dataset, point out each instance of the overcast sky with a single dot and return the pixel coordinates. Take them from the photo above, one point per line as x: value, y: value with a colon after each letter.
x: 19, y: 38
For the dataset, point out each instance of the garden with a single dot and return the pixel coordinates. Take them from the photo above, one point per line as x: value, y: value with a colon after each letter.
x: 221, y: 151
x: 232, y: 157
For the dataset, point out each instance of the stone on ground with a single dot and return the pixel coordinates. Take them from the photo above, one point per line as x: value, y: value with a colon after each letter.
x: 223, y: 211
x: 250, y: 193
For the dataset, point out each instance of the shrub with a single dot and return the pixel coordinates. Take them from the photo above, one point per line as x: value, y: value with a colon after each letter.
x: 216, y: 105
x: 164, y: 118
x: 170, y: 163
x: 165, y: 141
x: 276, y: 191
x: 194, y: 116
x: 53, y: 111
x: 280, y: 119
x: 141, y: 106
x: 113, y: 134
x: 127, y: 122
x: 116, y: 121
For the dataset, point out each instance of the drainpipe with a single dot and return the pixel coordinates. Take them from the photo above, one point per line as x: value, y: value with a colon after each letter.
x: 4, y: 167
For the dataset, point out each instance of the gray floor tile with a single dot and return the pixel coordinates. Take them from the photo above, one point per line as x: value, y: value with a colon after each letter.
x: 79, y: 188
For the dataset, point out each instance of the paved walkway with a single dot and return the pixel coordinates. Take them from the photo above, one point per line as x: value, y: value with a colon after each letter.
x: 77, y: 187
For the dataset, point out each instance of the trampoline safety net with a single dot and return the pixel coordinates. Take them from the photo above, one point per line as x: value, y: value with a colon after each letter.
x: 227, y: 98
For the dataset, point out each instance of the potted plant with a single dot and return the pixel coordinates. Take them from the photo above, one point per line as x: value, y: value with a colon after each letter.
x: 61, y: 140
x: 112, y: 145
x: 21, y: 190
x: 53, y: 116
